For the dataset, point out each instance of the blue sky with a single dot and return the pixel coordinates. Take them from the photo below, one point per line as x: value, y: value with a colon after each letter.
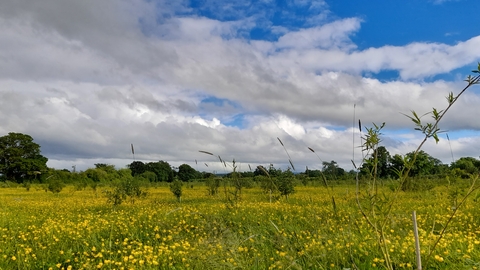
x: 86, y: 79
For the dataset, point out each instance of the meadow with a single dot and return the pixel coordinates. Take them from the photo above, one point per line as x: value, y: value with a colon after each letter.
x: 78, y: 229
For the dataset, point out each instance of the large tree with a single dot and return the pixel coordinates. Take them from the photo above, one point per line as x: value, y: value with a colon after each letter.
x: 162, y: 169
x: 424, y: 163
x: 466, y: 166
x: 186, y: 173
x: 331, y: 170
x: 20, y: 158
x: 137, y: 167
x: 381, y: 157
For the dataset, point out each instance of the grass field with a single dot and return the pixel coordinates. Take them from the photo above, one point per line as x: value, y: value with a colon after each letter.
x: 79, y: 230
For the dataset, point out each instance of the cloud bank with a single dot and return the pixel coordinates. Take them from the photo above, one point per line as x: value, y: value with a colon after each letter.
x: 88, y: 78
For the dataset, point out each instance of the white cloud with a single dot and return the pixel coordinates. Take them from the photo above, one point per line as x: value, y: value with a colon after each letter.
x: 334, y: 35
x: 87, y: 79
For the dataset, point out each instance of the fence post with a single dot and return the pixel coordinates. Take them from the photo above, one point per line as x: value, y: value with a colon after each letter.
x: 417, y: 242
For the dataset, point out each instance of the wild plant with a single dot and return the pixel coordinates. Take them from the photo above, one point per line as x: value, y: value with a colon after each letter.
x: 126, y: 190
x: 285, y: 183
x: 237, y: 184
x: 324, y: 179
x: 176, y: 189
x: 232, y: 186
x: 55, y: 185
x: 285, y: 180
x: 27, y: 185
x: 80, y: 184
x: 212, y: 183
x: 376, y: 208
x: 268, y: 184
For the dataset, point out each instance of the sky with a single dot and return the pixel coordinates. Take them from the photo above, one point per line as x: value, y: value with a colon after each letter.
x: 87, y: 79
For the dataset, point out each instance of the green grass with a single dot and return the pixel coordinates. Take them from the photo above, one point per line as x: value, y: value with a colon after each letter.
x: 78, y: 229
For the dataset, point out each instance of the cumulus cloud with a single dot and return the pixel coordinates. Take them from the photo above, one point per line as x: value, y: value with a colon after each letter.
x: 86, y: 79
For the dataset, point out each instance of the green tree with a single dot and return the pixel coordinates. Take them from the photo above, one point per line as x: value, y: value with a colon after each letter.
x: 466, y: 166
x: 260, y: 171
x: 313, y: 173
x: 96, y: 175
x: 424, y: 163
x: 247, y: 174
x: 396, y: 165
x: 148, y: 176
x: 162, y: 169
x: 176, y: 189
x: 331, y: 170
x: 108, y: 168
x: 137, y: 167
x: 383, y: 163
x: 20, y: 158
x: 55, y: 185
x: 187, y: 173
x: 206, y: 175
x: 285, y: 183
x: 271, y: 171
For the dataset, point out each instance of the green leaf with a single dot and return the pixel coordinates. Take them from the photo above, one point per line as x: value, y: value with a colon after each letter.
x: 450, y: 97
x: 436, y: 114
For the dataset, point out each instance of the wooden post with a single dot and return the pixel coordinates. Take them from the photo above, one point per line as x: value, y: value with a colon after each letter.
x: 417, y: 242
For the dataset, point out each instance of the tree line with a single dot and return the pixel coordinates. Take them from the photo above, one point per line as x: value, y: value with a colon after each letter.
x: 21, y: 161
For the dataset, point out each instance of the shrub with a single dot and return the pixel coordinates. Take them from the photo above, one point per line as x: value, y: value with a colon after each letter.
x: 176, y: 189
x: 55, y: 186
x: 212, y: 183
x: 27, y: 185
x: 285, y: 184
x: 126, y: 189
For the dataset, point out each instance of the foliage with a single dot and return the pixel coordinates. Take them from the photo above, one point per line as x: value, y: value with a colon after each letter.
x: 20, y: 158
x: 424, y: 164
x: 206, y: 175
x: 313, y: 173
x: 187, y: 173
x: 55, y: 185
x: 285, y: 183
x: 247, y: 174
x: 267, y: 184
x: 331, y: 170
x: 147, y: 176
x: 27, y: 185
x: 128, y: 189
x: 137, y: 168
x: 271, y: 171
x: 65, y: 176
x: 108, y: 168
x: 383, y: 163
x: 81, y: 184
x: 390, y: 167
x: 303, y: 178
x: 212, y: 183
x: 162, y: 169
x: 98, y: 175
x: 176, y: 189
x: 466, y: 167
